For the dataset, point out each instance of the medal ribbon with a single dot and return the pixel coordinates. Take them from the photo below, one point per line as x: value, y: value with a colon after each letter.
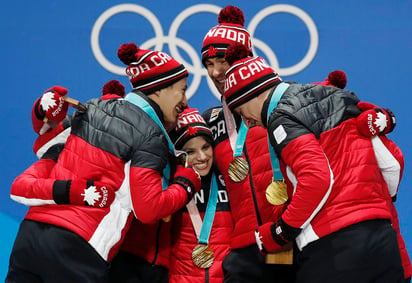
x: 280, y: 89
x: 237, y: 139
x: 145, y: 106
x: 202, y: 230
x: 210, y: 213
x: 240, y: 141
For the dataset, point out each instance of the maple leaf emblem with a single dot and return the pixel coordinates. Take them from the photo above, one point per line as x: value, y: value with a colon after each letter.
x: 212, y: 51
x: 259, y: 240
x: 380, y: 121
x: 47, y: 101
x: 91, y: 195
x: 191, y: 131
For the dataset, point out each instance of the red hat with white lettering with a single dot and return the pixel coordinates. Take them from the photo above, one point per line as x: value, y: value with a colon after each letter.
x: 230, y: 30
x: 189, y: 125
x: 247, y: 77
x: 150, y: 70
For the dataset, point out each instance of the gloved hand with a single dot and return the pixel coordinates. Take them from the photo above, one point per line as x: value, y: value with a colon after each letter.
x: 188, y: 178
x: 53, y: 105
x: 374, y: 120
x: 274, y: 236
x: 264, y: 238
x: 82, y: 192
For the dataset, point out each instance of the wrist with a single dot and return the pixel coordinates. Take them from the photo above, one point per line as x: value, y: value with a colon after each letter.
x: 186, y: 184
x: 61, y: 191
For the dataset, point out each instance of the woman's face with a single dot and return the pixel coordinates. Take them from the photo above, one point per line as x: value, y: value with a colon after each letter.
x: 200, y: 154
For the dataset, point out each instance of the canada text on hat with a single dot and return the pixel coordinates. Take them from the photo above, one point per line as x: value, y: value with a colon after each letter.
x: 150, y: 70
x: 247, y: 77
x: 230, y: 30
x: 190, y: 124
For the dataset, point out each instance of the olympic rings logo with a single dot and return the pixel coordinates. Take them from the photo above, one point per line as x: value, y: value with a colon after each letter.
x: 196, y: 68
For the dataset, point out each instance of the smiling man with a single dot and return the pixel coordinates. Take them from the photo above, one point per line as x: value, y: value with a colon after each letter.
x: 120, y: 142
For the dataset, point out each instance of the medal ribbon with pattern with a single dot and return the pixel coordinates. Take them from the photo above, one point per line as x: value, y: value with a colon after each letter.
x: 202, y: 255
x: 238, y: 167
x: 276, y: 192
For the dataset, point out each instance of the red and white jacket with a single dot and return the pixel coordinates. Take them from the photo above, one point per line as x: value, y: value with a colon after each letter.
x: 125, y: 147
x: 335, y: 176
x: 250, y: 207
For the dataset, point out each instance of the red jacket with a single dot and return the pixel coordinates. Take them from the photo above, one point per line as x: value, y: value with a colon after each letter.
x: 334, y: 174
x: 182, y: 268
x: 118, y: 152
x: 250, y: 208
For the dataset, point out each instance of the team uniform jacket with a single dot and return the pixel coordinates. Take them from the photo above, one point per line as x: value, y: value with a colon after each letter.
x: 182, y: 268
x: 335, y: 176
x: 118, y: 143
x: 148, y: 241
x: 250, y: 208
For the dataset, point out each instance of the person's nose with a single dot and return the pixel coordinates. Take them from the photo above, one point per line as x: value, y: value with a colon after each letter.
x: 185, y: 103
x: 202, y: 156
x: 217, y: 72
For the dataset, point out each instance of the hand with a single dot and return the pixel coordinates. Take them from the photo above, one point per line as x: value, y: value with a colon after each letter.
x: 53, y: 105
x: 82, y: 192
x: 188, y: 178
x: 264, y: 238
x: 274, y: 236
x: 375, y: 121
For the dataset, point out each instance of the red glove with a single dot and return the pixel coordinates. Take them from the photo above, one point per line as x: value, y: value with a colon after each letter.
x: 189, y: 179
x: 90, y: 193
x: 53, y: 104
x: 374, y: 120
x: 264, y: 239
x: 273, y: 236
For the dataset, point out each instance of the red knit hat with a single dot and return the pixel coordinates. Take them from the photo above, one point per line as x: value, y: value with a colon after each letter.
x: 335, y: 78
x: 230, y: 30
x: 247, y: 77
x: 150, y: 70
x: 189, y: 125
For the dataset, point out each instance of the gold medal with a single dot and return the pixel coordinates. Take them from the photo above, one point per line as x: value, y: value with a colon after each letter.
x: 276, y: 192
x: 202, y: 256
x: 238, y: 169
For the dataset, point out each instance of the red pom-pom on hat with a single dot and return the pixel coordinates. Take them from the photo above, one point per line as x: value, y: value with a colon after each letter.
x: 337, y: 78
x: 236, y: 52
x: 231, y: 14
x: 127, y: 53
x: 114, y: 87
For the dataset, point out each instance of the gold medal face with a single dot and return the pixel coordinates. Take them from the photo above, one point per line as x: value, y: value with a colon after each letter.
x: 238, y: 169
x: 276, y: 192
x: 202, y: 256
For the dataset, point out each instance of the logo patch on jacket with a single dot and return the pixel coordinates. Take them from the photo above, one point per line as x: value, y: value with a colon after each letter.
x: 279, y: 134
